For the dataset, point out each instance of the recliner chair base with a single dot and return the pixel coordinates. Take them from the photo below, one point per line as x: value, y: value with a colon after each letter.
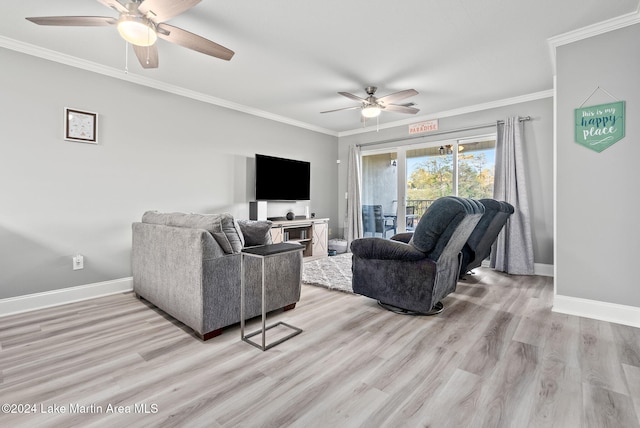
x: 437, y: 308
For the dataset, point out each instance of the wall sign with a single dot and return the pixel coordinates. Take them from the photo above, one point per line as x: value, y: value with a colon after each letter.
x: 428, y: 126
x: 599, y: 127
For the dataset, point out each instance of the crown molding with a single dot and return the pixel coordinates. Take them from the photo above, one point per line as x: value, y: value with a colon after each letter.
x: 596, y: 29
x: 137, y: 79
x: 455, y: 112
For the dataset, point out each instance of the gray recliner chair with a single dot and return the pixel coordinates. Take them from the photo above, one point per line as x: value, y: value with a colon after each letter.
x: 478, y: 246
x: 413, y: 277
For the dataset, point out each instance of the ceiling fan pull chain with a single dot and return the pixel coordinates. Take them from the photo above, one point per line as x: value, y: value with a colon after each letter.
x: 148, y: 42
x: 126, y: 57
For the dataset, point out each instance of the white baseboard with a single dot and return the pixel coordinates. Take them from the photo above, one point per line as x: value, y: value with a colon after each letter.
x: 538, y: 268
x: 603, y: 311
x: 31, y: 302
x: 542, y: 269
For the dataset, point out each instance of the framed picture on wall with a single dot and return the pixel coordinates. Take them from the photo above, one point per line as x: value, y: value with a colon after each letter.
x: 80, y: 126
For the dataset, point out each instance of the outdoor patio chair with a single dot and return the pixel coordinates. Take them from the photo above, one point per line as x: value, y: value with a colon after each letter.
x: 374, y: 221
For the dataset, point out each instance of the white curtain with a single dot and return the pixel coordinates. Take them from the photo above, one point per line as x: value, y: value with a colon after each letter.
x: 353, y: 223
x: 513, y: 250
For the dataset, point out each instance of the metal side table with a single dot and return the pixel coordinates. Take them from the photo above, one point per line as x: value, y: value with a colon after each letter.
x: 263, y: 252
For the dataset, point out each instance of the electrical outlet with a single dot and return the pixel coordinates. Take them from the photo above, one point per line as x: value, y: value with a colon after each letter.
x: 78, y: 262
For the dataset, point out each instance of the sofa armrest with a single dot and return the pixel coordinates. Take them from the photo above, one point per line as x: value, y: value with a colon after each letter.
x: 384, y: 249
x: 168, y: 265
x: 402, y: 237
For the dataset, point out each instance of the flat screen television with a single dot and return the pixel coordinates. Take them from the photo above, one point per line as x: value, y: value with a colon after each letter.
x: 280, y: 179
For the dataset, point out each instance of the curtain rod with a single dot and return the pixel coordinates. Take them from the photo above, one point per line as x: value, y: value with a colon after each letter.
x: 450, y: 131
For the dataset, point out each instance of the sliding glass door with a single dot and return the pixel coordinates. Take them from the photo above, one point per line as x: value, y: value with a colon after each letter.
x: 403, y: 182
x: 380, y: 193
x: 430, y: 175
x: 476, y: 168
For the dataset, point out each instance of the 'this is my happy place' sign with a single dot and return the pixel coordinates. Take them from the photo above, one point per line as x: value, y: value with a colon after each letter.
x: 601, y: 126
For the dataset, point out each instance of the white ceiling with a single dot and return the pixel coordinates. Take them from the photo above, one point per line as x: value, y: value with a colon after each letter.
x: 292, y: 57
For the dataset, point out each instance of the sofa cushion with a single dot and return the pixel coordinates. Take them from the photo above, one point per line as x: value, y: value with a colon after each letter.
x: 221, y: 226
x: 255, y: 232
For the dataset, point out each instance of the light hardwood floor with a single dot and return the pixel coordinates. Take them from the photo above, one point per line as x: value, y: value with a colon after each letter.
x: 496, y: 357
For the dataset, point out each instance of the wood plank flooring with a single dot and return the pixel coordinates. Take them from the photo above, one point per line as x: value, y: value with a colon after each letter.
x: 496, y: 357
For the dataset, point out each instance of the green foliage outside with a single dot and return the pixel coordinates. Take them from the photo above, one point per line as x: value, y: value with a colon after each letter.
x: 433, y: 178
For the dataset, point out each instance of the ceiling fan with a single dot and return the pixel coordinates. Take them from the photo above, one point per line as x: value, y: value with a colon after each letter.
x: 373, y: 106
x: 140, y: 23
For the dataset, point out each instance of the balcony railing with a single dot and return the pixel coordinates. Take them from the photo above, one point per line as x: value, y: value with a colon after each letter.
x: 420, y: 207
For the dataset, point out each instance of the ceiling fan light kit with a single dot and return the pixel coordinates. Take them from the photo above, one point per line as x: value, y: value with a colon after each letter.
x: 371, y: 111
x: 137, y: 30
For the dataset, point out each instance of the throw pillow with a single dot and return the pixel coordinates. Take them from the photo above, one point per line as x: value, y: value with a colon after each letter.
x: 231, y: 232
x: 221, y: 237
x: 221, y: 226
x: 255, y: 232
x: 225, y: 232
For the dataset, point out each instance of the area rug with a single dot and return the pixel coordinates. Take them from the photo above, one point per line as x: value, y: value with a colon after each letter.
x: 332, y: 272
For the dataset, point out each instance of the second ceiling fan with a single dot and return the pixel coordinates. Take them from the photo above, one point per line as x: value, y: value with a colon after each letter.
x: 373, y: 106
x: 141, y: 23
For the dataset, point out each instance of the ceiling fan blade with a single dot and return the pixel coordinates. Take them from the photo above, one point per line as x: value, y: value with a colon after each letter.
x: 340, y: 109
x: 193, y: 41
x: 353, y: 97
x: 147, y: 55
x: 401, y: 109
x: 115, y: 5
x: 163, y: 10
x: 397, y: 96
x: 79, y: 21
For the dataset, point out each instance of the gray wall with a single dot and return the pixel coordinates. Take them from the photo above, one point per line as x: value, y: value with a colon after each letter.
x: 597, y: 221
x: 157, y: 151
x: 380, y: 176
x: 538, y: 155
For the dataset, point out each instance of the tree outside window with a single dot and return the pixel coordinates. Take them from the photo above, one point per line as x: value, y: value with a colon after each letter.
x: 430, y: 172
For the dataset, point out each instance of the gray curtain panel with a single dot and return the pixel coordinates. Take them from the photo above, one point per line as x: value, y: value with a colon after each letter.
x: 353, y: 227
x: 513, y: 250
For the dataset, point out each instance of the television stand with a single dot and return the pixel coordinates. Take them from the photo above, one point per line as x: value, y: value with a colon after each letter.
x: 312, y: 233
x: 281, y: 219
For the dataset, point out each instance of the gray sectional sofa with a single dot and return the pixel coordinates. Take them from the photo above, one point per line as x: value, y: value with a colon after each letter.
x: 188, y: 265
